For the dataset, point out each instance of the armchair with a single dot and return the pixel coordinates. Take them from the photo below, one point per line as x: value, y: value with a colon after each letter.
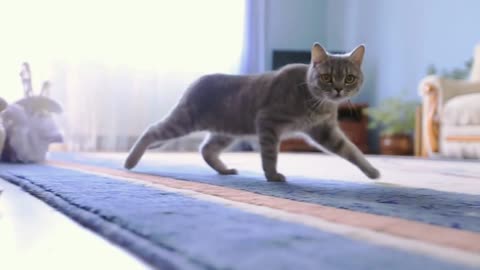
x: 451, y: 114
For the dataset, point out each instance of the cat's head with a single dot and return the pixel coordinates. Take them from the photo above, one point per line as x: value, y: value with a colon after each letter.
x: 336, y: 77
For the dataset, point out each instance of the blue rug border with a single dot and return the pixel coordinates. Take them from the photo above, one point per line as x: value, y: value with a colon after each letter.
x: 134, y: 244
x: 300, y: 189
x: 152, y: 253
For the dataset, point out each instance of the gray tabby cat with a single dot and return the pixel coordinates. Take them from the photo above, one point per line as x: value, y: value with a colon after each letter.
x: 296, y: 98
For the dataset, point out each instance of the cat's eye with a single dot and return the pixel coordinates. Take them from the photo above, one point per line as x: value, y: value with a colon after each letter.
x: 350, y: 79
x: 326, y: 78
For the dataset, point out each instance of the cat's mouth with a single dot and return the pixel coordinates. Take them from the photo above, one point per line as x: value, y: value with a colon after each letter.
x: 337, y: 97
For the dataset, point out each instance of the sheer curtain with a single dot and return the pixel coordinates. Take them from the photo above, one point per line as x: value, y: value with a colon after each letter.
x: 117, y: 66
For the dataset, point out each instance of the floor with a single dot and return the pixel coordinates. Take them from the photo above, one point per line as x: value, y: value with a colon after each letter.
x: 35, y: 236
x: 441, y: 175
x: 26, y: 223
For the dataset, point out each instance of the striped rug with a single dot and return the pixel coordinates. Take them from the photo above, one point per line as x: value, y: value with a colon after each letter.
x: 174, y: 212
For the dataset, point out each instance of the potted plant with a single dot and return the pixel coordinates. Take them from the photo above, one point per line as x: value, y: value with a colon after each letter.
x: 396, y: 118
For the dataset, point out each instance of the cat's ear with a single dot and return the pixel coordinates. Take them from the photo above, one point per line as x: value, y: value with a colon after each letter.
x: 357, y: 54
x: 319, y: 54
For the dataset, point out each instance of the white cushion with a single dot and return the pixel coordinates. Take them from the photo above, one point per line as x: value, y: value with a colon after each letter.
x: 462, y: 110
x: 470, y: 130
x: 460, y: 149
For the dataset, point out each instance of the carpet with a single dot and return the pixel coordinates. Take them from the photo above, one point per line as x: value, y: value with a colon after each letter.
x: 175, y: 213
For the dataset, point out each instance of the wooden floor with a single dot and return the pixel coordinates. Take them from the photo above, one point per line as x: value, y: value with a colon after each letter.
x: 35, y: 236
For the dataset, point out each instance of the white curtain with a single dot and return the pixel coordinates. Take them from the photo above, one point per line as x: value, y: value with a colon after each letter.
x: 117, y: 66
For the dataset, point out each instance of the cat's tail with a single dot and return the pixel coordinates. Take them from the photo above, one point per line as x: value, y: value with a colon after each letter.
x: 177, y: 125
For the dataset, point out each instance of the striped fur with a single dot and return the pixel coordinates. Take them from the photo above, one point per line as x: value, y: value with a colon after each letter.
x: 296, y: 98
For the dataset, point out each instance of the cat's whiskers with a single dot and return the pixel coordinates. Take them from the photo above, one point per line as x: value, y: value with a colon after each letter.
x: 318, y: 103
x: 350, y: 106
x: 313, y: 102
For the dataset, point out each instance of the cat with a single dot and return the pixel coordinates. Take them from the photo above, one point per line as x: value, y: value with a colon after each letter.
x: 296, y: 98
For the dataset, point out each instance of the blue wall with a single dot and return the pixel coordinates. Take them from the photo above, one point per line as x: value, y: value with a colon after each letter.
x: 294, y: 25
x: 403, y: 38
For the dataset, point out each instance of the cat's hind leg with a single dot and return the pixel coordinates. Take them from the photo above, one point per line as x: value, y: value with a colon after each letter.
x: 211, y: 148
x: 171, y: 128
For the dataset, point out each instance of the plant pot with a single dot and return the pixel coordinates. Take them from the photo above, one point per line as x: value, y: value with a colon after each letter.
x: 397, y: 144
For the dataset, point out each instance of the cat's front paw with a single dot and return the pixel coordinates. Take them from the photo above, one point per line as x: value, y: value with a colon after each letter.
x: 373, y: 173
x: 130, y: 162
x: 228, y: 172
x: 275, y: 177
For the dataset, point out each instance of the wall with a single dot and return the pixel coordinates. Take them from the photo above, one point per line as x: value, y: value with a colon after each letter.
x: 403, y: 38
x: 293, y: 25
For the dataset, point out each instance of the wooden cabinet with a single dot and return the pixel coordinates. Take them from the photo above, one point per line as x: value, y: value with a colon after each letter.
x: 352, y: 121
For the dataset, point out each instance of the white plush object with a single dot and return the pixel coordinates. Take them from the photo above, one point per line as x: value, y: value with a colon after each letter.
x: 29, y: 133
x: 28, y: 125
x: 462, y: 110
x: 3, y: 135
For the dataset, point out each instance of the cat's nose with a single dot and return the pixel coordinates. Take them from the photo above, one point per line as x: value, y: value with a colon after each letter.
x: 338, y: 89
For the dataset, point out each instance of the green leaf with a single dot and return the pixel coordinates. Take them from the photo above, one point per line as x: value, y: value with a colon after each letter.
x: 395, y: 115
